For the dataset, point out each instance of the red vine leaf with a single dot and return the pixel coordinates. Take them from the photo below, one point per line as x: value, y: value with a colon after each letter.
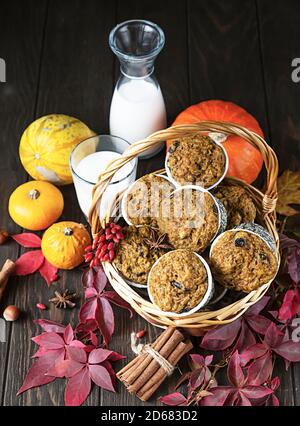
x: 78, y: 388
x: 29, y: 262
x: 50, y: 326
x: 175, y: 398
x: 290, y: 305
x: 48, y: 272
x: 36, y: 375
x: 27, y: 239
x: 235, y: 373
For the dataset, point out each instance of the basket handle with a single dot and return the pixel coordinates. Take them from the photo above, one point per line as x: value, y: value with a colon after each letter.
x: 180, y: 131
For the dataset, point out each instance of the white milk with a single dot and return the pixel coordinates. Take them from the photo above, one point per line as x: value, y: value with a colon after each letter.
x: 137, y: 110
x: 89, y: 169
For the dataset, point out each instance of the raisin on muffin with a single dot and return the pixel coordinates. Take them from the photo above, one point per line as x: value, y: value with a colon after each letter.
x: 242, y: 260
x: 178, y: 281
x: 196, y: 160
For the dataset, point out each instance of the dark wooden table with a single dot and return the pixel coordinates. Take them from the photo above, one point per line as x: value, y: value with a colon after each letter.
x: 58, y: 61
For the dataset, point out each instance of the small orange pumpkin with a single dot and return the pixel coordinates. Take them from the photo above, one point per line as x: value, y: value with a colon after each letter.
x: 35, y: 205
x: 245, y: 161
x: 63, y: 244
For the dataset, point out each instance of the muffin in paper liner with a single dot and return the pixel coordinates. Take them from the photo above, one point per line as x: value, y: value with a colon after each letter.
x: 192, y: 165
x: 147, y: 219
x: 199, y: 225
x: 244, y: 258
x: 175, y: 272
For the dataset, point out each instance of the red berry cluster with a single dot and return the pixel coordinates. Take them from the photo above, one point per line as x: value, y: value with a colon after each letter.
x: 104, y: 245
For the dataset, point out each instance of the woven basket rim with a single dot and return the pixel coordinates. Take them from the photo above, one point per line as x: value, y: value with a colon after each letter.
x: 265, y: 202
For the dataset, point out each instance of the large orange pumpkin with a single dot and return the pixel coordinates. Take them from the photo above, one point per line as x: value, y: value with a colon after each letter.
x: 245, y: 161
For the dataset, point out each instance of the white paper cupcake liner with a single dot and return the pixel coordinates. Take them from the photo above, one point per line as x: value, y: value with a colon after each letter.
x: 206, y: 298
x: 177, y: 184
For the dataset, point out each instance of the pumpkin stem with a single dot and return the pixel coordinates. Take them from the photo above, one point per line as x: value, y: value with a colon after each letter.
x: 68, y: 231
x: 34, y: 194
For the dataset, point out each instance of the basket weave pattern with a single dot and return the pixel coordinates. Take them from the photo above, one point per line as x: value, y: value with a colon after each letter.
x: 265, y: 203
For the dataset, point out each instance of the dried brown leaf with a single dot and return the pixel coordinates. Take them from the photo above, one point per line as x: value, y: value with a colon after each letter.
x: 288, y: 192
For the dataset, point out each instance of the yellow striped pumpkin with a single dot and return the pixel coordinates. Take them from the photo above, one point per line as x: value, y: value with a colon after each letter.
x: 46, y: 146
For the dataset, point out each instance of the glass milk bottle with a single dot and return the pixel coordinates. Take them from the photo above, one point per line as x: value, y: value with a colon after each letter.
x: 137, y: 107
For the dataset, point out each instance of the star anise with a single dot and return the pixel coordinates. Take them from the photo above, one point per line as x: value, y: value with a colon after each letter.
x: 156, y: 241
x: 63, y: 300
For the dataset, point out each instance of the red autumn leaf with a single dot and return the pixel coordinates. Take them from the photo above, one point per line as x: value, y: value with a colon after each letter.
x: 101, y: 377
x: 68, y: 334
x: 99, y: 355
x: 273, y: 336
x: 234, y: 372
x: 260, y: 370
x: 78, y: 388
x: 243, y: 401
x: 27, y: 239
x: 49, y: 341
x: 221, y: 337
x: 246, y: 338
x: 90, y: 292
x: 287, y: 243
x: 294, y: 265
x: 105, y: 319
x: 197, y: 378
x: 218, y: 397
x: 258, y: 306
x: 98, y: 308
x: 87, y: 278
x: 114, y: 298
x: 77, y: 354
x: 175, y: 398
x: 256, y: 392
x: 88, y: 310
x: 48, y: 272
x: 253, y: 352
x: 100, y: 280
x: 29, y: 262
x: 65, y: 368
x: 289, y: 350
x: 290, y: 305
x: 50, y: 326
x: 36, y: 375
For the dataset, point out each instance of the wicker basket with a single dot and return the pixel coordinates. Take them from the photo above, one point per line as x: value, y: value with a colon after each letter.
x: 265, y: 203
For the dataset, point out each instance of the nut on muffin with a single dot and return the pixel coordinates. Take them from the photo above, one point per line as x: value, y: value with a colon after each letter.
x: 136, y: 254
x: 242, y: 260
x: 238, y: 204
x: 178, y: 281
x: 196, y: 160
x: 142, y: 201
x: 190, y: 219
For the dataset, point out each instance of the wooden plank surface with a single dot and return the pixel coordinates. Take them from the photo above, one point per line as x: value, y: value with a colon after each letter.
x: 214, y: 49
x: 21, y: 50
x: 283, y: 108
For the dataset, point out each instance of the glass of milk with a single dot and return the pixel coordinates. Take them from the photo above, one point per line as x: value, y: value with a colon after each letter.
x: 137, y: 106
x: 88, y: 159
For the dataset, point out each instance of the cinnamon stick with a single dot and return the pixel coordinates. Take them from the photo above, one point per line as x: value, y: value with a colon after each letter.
x: 156, y: 380
x: 6, y: 271
x: 146, y: 374
x: 133, y: 370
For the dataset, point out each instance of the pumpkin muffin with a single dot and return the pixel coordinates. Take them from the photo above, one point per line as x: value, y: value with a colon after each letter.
x: 142, y: 201
x: 190, y: 219
x: 178, y: 281
x: 138, y: 252
x: 196, y: 160
x: 238, y: 204
x: 242, y: 260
